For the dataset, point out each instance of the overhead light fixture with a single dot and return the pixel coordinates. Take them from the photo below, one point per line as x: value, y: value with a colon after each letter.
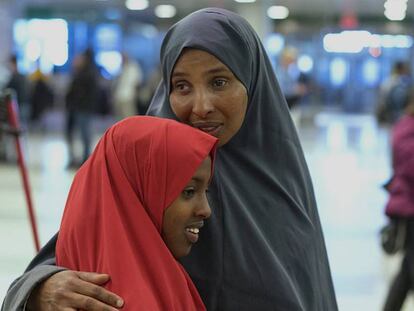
x: 137, y: 4
x: 354, y: 41
x: 165, y: 11
x: 278, y: 12
x: 394, y: 15
x: 305, y: 63
x: 274, y: 43
x: 395, y: 10
x: 400, y: 5
x: 245, y: 1
x: 33, y: 50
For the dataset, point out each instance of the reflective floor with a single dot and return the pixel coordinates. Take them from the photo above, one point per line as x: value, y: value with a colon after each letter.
x: 348, y: 157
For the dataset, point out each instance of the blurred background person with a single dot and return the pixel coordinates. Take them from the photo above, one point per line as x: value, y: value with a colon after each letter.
x: 41, y: 97
x: 80, y: 104
x: 293, y: 83
x: 400, y: 205
x: 125, y: 89
x: 394, y: 93
x: 18, y: 82
x: 147, y: 89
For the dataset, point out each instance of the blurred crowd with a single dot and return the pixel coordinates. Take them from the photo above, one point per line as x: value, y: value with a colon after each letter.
x: 86, y: 93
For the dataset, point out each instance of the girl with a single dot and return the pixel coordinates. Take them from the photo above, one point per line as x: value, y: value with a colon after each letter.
x: 136, y: 206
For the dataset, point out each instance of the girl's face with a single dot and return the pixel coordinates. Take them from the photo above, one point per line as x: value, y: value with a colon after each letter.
x: 206, y: 94
x: 185, y: 216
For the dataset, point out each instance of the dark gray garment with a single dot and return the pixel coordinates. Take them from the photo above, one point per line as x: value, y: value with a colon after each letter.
x: 263, y: 248
x: 41, y: 268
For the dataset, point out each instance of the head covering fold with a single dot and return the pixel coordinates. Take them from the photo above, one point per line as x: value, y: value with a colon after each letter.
x: 113, y: 216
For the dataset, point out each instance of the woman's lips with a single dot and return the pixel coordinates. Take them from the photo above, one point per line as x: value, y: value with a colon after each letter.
x: 212, y: 128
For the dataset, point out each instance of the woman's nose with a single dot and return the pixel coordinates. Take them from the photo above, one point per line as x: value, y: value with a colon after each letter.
x: 202, y: 104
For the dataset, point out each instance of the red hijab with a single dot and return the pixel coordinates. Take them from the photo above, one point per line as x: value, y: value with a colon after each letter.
x: 113, y: 216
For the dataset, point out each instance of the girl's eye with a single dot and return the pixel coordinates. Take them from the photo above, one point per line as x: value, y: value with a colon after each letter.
x: 188, y: 193
x: 219, y: 82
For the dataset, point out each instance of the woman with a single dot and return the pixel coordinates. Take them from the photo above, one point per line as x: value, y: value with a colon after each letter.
x: 400, y: 205
x: 263, y: 248
x: 140, y: 200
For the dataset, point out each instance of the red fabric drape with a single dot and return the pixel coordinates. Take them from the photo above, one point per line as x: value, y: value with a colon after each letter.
x: 113, y: 215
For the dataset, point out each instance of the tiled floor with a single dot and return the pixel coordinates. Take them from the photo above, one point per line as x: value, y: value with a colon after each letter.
x: 348, y: 158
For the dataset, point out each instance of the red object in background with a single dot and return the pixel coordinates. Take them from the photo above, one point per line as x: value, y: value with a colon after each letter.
x: 349, y: 21
x: 13, y: 118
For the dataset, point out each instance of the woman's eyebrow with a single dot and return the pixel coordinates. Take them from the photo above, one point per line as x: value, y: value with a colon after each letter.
x: 178, y: 74
x: 214, y: 70
x: 218, y: 69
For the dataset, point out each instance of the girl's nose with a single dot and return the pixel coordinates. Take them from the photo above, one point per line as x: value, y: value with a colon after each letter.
x: 204, y: 210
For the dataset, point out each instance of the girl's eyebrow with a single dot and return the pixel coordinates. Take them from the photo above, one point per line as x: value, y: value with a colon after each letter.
x: 198, y: 180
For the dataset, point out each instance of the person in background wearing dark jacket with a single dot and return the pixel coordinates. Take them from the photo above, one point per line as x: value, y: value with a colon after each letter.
x: 401, y: 202
x: 19, y: 84
x: 394, y: 93
x: 80, y: 103
x: 41, y: 95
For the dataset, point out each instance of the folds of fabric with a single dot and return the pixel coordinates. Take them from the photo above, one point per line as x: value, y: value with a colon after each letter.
x: 113, y: 216
x: 401, y: 199
x: 264, y: 248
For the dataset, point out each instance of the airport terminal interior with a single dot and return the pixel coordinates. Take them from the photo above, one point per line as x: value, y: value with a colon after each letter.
x: 332, y: 59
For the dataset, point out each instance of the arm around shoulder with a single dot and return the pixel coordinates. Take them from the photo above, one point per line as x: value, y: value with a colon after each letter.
x: 40, y: 268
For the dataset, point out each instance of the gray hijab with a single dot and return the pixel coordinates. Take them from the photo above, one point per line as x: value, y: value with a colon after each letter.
x: 263, y: 247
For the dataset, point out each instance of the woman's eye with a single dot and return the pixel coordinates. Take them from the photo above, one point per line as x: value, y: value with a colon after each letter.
x: 219, y: 82
x: 188, y: 193
x: 180, y: 86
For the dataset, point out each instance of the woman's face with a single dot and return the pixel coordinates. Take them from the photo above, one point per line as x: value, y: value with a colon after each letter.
x: 206, y: 94
x: 185, y: 216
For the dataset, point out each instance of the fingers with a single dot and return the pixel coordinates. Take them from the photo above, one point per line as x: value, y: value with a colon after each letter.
x: 97, y: 293
x: 71, y: 290
x: 88, y: 303
x: 95, y: 278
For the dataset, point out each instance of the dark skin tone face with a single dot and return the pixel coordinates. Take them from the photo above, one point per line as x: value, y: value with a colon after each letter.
x: 206, y: 94
x: 184, y: 218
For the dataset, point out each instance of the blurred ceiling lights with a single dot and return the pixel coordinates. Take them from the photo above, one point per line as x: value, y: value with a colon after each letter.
x: 245, y: 1
x: 278, y: 12
x: 165, y: 11
x: 137, y: 4
x: 354, y: 41
x: 395, y: 10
